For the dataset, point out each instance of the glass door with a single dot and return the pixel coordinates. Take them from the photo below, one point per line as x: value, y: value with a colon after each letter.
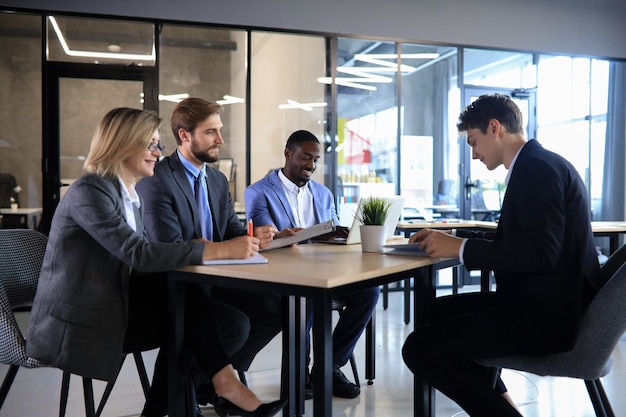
x: 77, y: 97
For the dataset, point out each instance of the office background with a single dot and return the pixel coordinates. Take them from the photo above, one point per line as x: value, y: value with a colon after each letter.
x: 288, y: 44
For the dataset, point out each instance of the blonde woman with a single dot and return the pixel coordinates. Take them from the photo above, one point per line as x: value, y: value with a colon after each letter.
x: 102, y: 289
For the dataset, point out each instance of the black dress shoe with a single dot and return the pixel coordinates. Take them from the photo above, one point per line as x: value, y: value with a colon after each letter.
x: 342, y: 387
x: 228, y: 409
x: 205, y: 394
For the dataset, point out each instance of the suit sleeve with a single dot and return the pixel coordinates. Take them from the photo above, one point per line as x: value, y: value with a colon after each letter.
x: 160, y: 220
x: 532, y: 230
x: 257, y: 207
x: 97, y: 211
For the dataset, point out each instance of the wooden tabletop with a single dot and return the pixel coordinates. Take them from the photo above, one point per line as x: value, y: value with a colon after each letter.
x: 317, y: 265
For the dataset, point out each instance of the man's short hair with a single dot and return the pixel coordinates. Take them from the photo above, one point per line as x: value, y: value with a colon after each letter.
x: 491, y: 106
x: 298, y: 137
x: 190, y: 112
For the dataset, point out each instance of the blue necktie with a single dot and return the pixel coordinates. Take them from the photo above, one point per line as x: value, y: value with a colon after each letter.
x: 202, y: 201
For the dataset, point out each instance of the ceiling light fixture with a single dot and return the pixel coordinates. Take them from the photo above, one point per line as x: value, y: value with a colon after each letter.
x: 292, y: 104
x: 230, y: 100
x: 174, y: 98
x: 366, y: 74
x: 95, y: 54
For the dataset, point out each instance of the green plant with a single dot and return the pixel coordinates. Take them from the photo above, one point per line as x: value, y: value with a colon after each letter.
x: 374, y: 211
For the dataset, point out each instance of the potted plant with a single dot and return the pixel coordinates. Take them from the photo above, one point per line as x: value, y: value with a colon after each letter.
x: 372, y: 215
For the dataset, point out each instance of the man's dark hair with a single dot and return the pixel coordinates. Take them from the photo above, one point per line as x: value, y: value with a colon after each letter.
x: 491, y: 106
x: 190, y: 112
x: 298, y: 137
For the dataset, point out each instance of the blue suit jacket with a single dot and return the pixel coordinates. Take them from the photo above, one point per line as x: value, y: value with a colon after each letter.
x: 543, y: 252
x: 266, y: 203
x: 171, y: 213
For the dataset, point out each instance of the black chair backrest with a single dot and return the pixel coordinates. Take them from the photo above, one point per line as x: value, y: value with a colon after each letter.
x: 7, y: 190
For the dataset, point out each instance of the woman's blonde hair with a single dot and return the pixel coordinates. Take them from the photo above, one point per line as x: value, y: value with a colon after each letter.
x: 122, y: 133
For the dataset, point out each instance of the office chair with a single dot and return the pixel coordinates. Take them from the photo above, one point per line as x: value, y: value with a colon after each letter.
x: 602, y: 326
x: 21, y: 257
x: 8, y: 189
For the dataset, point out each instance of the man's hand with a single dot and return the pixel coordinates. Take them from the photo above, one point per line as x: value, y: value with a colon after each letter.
x: 241, y: 247
x: 265, y: 234
x: 290, y: 231
x: 436, y: 243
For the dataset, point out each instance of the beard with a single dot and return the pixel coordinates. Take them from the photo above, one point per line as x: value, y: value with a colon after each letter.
x: 204, y: 155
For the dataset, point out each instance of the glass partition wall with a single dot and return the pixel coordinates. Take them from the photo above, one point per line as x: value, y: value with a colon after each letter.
x: 385, y: 111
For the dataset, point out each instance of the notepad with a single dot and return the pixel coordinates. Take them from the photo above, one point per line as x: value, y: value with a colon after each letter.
x: 405, y: 249
x: 302, y: 235
x: 256, y: 259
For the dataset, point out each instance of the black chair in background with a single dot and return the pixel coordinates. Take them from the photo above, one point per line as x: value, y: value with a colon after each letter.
x: 8, y: 189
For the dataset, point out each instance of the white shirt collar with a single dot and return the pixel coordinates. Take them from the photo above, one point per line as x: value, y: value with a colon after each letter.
x: 508, y: 173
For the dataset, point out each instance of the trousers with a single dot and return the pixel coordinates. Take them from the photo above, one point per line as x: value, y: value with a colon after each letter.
x: 464, y: 328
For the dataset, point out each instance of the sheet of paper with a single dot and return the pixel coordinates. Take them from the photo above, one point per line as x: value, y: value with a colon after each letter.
x: 304, y: 234
x: 256, y: 259
x: 404, y: 249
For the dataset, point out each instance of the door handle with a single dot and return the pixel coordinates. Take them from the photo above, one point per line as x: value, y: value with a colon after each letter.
x: 469, y: 184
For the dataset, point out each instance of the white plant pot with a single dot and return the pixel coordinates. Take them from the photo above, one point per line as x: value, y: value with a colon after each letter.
x: 373, y: 238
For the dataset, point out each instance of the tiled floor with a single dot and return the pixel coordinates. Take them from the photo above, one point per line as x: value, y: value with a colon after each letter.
x: 35, y: 393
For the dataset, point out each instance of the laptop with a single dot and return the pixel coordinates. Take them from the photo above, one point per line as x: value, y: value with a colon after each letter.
x: 354, y: 236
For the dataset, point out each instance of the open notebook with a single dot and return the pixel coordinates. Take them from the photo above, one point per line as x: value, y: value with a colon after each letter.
x: 354, y: 236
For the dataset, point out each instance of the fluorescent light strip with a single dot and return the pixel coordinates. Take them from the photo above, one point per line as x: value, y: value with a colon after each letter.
x: 230, y: 100
x: 90, y: 54
x: 346, y: 82
x: 365, y: 73
x: 174, y: 98
x: 292, y: 104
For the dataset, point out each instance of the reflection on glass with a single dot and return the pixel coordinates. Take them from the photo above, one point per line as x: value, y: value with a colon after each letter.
x: 100, y: 41
x: 429, y: 147
x: 367, y: 153
x: 286, y: 96
x: 20, y: 104
x: 208, y: 63
x: 484, y: 67
x: 571, y: 115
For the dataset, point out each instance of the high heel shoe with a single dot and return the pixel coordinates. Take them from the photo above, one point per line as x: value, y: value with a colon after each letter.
x: 225, y: 408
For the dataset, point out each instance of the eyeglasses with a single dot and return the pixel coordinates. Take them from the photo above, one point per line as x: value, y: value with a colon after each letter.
x: 156, y: 145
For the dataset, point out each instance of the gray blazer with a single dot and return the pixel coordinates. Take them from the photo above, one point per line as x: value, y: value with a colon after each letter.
x: 78, y: 321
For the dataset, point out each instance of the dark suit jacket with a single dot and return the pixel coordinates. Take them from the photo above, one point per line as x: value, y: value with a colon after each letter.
x: 79, y: 315
x: 543, y: 253
x: 170, y: 206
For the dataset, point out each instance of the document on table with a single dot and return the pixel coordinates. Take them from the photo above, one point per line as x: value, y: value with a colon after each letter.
x: 304, y: 234
x: 405, y: 249
x: 256, y: 259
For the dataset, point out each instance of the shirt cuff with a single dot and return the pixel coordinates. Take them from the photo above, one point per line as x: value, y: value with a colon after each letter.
x: 462, y: 250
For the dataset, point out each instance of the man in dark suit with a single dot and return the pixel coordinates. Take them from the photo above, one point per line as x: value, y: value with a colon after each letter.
x: 542, y: 254
x: 173, y: 214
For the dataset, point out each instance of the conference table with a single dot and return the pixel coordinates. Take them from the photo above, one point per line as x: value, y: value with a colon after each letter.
x: 320, y: 272
x: 610, y: 229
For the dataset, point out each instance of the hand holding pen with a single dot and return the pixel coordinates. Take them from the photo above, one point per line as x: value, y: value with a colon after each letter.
x: 265, y: 234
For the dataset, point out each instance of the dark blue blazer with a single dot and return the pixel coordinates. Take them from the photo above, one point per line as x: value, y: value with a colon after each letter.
x: 543, y: 252
x: 171, y: 213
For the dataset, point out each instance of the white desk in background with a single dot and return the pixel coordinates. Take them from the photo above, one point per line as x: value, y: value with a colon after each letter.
x: 20, y: 218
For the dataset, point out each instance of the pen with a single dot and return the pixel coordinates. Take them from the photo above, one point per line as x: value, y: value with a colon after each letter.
x: 250, y: 228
